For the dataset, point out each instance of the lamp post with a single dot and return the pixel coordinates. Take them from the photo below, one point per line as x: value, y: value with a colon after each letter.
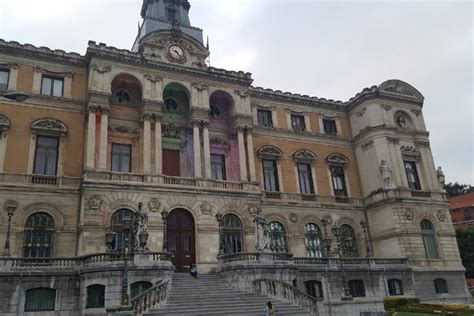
x: 327, y: 240
x: 127, y: 247
x: 164, y: 217
x: 110, y: 240
x: 336, y: 230
x: 221, y: 243
x: 17, y: 96
x: 10, y: 207
x: 367, y: 245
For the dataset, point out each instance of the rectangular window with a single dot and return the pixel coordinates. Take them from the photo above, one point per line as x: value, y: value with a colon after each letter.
x: 270, y: 175
x: 329, y: 127
x: 40, y: 299
x: 467, y: 213
x: 52, y: 86
x: 338, y: 181
x: 264, y: 118
x: 297, y: 123
x: 171, y: 162
x: 218, y: 167
x: 412, y: 175
x: 121, y: 158
x: 4, y: 74
x: 46, y: 155
x: 305, y: 178
x: 314, y: 288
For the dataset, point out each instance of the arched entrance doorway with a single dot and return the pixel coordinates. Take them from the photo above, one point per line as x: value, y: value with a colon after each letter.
x: 181, y: 242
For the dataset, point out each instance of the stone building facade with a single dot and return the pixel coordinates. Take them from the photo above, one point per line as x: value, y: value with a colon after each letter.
x: 201, y: 147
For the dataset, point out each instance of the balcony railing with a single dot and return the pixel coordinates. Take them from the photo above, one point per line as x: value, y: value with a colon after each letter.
x: 154, y: 296
x: 160, y: 180
x: 360, y: 262
x: 318, y: 199
x: 78, y: 262
x: 39, y: 180
x: 255, y: 256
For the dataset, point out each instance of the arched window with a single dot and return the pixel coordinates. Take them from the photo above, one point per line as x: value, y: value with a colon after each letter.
x: 40, y: 299
x: 95, y: 296
x: 314, y: 288
x: 348, y: 241
x: 429, y: 239
x: 39, y: 232
x: 441, y: 286
x: 277, y: 237
x: 356, y: 288
x: 231, y: 234
x: 139, y: 287
x: 313, y: 240
x: 395, y: 287
x: 171, y: 105
x: 125, y: 236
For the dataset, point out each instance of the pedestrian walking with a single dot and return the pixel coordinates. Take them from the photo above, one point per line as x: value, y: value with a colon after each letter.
x: 269, y: 311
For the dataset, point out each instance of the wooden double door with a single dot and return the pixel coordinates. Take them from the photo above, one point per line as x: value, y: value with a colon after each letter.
x: 181, y: 239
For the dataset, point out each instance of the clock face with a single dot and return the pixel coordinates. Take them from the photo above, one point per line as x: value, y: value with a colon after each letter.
x: 176, y: 52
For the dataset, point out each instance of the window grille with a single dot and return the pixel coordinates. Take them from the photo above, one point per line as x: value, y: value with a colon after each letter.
x: 39, y: 232
x: 277, y: 237
x: 231, y: 234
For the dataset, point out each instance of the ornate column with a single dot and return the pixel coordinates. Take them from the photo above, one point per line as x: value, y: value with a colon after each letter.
x: 242, y: 160
x: 90, y: 158
x: 147, y: 117
x: 104, y: 124
x: 197, y: 150
x: 158, y: 150
x: 207, y: 150
x: 251, y: 156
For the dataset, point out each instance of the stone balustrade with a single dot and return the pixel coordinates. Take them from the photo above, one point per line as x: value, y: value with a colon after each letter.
x: 358, y: 262
x: 255, y: 256
x: 74, y: 263
x: 153, y: 297
x: 285, y: 291
x: 313, y: 199
x: 163, y: 180
x: 23, y: 179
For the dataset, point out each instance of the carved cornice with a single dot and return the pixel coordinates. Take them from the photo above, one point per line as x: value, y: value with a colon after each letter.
x: 269, y: 152
x: 49, y: 125
x: 304, y: 155
x: 337, y: 159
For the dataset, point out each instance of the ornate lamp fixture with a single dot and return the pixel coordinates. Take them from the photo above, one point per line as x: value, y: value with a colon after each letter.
x: 367, y: 245
x: 346, y: 294
x: 110, y: 240
x: 219, y: 221
x: 164, y: 217
x: 10, y: 207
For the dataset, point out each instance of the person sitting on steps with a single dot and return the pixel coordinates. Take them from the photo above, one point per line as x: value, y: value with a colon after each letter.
x: 194, y: 271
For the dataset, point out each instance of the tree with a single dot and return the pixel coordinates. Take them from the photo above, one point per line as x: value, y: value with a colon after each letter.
x: 455, y: 189
x: 465, y: 239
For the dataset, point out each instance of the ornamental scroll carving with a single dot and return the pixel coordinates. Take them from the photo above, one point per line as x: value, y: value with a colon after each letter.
x: 337, y: 159
x: 4, y: 123
x: 94, y: 202
x: 101, y: 68
x: 49, y: 125
x: 206, y: 208
x: 410, y: 153
x: 441, y: 215
x: 154, y: 205
x: 304, y: 155
x: 269, y: 151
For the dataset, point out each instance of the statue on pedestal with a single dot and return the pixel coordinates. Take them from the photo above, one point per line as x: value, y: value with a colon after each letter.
x: 386, y: 173
x: 441, y: 176
x: 142, y: 220
x: 261, y: 239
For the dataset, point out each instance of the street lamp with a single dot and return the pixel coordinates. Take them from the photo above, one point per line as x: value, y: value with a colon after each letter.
x: 128, y: 223
x: 336, y: 231
x: 164, y: 217
x: 367, y: 245
x: 221, y: 244
x: 10, y: 207
x: 15, y: 96
x: 110, y: 240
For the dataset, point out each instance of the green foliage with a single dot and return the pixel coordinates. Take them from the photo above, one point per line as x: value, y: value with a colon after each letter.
x: 455, y: 189
x: 465, y: 239
x: 396, y: 302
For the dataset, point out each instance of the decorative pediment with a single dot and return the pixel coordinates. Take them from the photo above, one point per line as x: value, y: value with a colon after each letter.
x: 50, y: 126
x: 410, y: 153
x: 337, y: 159
x: 304, y: 155
x: 269, y: 152
x: 400, y: 87
x: 4, y: 123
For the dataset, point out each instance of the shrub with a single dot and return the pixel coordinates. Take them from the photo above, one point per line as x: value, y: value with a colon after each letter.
x: 396, y: 302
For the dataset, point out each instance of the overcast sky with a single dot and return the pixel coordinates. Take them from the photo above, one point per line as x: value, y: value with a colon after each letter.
x: 329, y: 49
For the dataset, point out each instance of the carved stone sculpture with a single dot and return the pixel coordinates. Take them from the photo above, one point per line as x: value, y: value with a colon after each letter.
x: 441, y: 176
x: 386, y: 173
x: 261, y: 238
x: 142, y: 218
x: 94, y: 202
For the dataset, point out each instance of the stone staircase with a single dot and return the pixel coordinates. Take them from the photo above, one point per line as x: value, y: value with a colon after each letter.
x: 209, y: 295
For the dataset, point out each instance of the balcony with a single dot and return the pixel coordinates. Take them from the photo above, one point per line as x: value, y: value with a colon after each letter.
x: 351, y: 262
x: 312, y: 199
x: 403, y: 193
x: 36, y: 180
x: 104, y: 260
x: 168, y: 181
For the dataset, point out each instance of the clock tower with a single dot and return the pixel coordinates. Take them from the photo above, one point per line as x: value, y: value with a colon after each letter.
x: 164, y: 16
